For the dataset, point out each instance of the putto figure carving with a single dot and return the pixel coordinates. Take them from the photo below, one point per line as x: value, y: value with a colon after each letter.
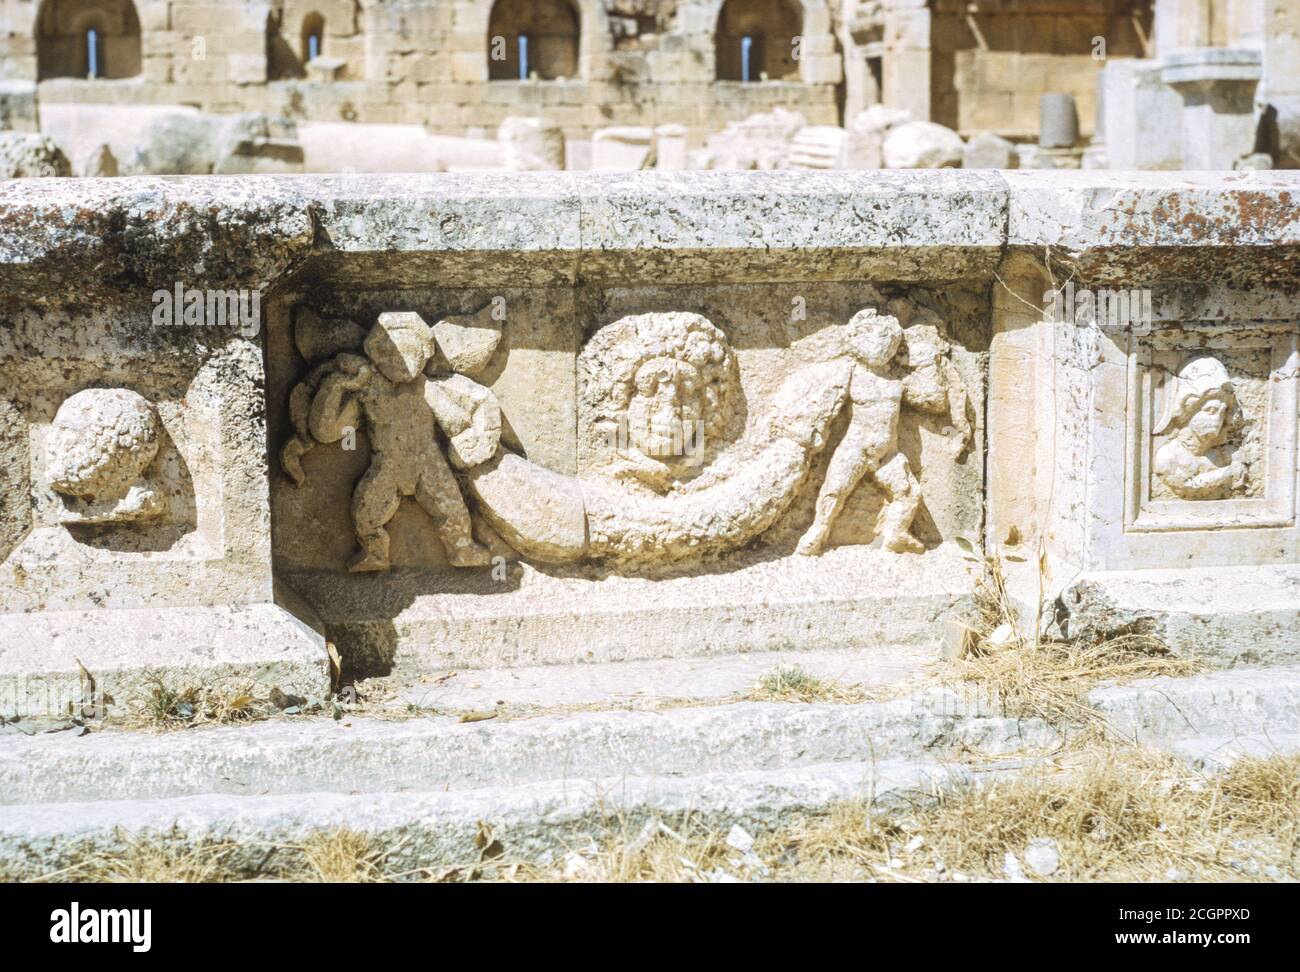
x: 659, y: 390
x: 1201, y: 414
x: 101, y: 445
x: 873, y: 386
x: 401, y: 408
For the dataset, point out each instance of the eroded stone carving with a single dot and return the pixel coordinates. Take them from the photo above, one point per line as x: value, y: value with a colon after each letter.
x: 658, y: 389
x: 1201, y: 415
x: 100, y: 447
x: 387, y: 389
x: 873, y: 385
x: 559, y: 519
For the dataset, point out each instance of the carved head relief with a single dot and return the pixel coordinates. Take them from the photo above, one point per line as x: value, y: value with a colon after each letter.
x: 100, y: 446
x: 658, y: 388
x: 873, y: 338
x: 400, y: 345
x: 1201, y: 415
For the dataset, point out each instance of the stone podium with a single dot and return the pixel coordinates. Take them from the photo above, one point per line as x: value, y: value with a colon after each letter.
x: 459, y: 421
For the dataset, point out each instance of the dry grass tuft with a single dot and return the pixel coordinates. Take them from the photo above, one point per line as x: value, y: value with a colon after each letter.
x: 790, y: 683
x: 341, y: 857
x: 1117, y: 815
x: 169, y: 707
x: 151, y: 862
x: 1032, y: 675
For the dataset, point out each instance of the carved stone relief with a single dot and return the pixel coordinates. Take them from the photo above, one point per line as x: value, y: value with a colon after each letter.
x: 100, y: 449
x: 386, y: 388
x: 1213, y: 429
x: 655, y: 397
x: 872, y: 385
x: 1202, y: 416
x: 666, y: 478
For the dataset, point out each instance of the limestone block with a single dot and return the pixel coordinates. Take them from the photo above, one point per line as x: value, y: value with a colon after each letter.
x: 469, y: 66
x: 818, y: 147
x: 18, y: 106
x: 989, y: 151
x: 532, y: 144
x: 1058, y: 124
x: 1218, y: 88
x: 621, y: 147
x: 922, y: 145
x: 97, y: 163
x: 25, y: 155
x: 670, y: 147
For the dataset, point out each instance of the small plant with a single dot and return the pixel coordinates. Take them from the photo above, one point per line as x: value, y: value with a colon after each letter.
x: 790, y: 683
x: 166, y: 706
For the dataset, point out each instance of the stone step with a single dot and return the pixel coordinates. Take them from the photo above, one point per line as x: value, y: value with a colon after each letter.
x: 849, y: 597
x: 542, y: 784
x: 434, y: 830
x: 429, y: 753
x: 1238, y: 701
x: 634, y: 684
x: 368, y: 755
x: 1219, y: 752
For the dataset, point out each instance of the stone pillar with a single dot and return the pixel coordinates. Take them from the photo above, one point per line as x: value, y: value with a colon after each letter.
x: 906, y: 67
x: 1280, y: 88
x: 1058, y: 121
x: 1217, y: 86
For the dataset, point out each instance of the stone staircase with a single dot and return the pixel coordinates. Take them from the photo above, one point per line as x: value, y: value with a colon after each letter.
x: 555, y: 768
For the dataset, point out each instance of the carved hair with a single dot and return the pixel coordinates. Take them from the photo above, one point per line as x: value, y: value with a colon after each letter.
x: 1200, y: 380
x: 609, y: 363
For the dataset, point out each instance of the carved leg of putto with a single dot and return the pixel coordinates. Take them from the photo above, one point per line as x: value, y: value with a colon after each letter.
x: 439, y: 495
x: 902, y: 498
x: 374, y: 503
x: 847, y: 467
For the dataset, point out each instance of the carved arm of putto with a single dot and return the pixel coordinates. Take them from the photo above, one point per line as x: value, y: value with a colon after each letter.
x: 933, y: 384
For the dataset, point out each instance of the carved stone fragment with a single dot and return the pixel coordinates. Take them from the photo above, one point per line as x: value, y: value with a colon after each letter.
x: 101, y: 444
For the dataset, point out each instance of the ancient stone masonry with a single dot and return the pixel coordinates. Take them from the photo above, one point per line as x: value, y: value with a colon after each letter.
x: 534, y: 419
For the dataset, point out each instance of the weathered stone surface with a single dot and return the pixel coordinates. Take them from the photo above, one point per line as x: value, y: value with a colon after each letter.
x: 922, y: 145
x: 989, y: 151
x: 31, y: 156
x: 621, y: 148
x: 1058, y: 126
x: 552, y: 782
x: 826, y: 332
x: 18, y: 111
x: 468, y: 342
x: 98, y: 162
x: 531, y: 144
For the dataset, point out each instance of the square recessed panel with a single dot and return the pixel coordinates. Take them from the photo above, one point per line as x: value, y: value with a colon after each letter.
x: 1212, y: 429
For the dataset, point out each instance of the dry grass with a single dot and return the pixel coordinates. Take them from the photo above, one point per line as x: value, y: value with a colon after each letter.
x: 1114, y: 813
x: 790, y: 683
x: 167, y: 706
x: 150, y: 862
x: 1030, y: 674
x: 341, y: 857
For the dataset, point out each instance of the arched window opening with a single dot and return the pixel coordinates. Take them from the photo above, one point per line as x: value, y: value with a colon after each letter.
x: 87, y: 39
x: 92, y: 53
x: 313, y: 37
x: 532, y: 38
x: 757, y: 39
